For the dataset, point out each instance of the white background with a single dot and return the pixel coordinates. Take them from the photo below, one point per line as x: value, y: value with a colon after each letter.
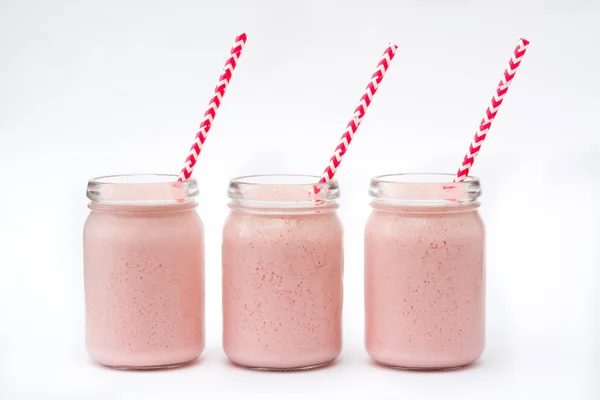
x: 90, y: 88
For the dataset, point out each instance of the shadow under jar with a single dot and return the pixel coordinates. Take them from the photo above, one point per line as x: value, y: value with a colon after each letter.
x: 282, y: 273
x: 143, y: 246
x: 424, y: 272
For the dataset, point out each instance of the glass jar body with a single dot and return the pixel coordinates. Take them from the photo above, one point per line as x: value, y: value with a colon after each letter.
x: 282, y: 288
x: 425, y: 285
x: 144, y: 285
x: 425, y: 288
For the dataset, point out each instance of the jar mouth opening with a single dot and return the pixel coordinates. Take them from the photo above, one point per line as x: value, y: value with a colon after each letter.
x: 282, y: 191
x: 280, y: 179
x: 421, y: 178
x: 135, y: 179
x: 424, y: 189
x: 141, y: 189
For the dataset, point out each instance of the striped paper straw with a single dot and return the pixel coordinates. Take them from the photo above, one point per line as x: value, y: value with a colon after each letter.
x: 213, y: 107
x: 492, y: 110
x: 359, y: 113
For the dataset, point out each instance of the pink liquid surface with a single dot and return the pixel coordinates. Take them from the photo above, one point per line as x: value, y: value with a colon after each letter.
x: 144, y: 284
x: 282, y: 289
x: 425, y: 287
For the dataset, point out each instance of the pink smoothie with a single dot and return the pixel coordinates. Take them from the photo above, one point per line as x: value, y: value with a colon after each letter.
x: 282, y: 289
x: 424, y: 286
x: 144, y: 284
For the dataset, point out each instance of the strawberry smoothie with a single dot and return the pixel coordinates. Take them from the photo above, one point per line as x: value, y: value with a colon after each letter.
x: 144, y: 273
x: 424, y: 273
x: 282, y: 275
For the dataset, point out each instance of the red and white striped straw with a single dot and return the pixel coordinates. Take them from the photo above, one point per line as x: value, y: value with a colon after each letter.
x: 359, y: 113
x: 492, y: 110
x: 213, y: 106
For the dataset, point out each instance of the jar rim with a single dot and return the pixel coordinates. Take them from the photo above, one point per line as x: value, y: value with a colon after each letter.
x: 141, y: 189
x: 276, y: 179
x: 424, y: 189
x: 283, y: 191
x: 420, y: 178
x: 136, y: 179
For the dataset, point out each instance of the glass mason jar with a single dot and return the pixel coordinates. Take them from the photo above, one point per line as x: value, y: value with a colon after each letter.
x: 143, y: 246
x: 282, y: 272
x: 424, y: 272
